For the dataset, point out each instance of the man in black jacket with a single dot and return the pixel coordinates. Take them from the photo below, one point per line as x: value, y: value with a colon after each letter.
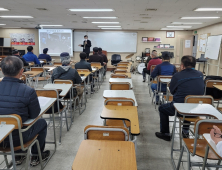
x: 18, y: 98
x: 86, y: 46
x: 66, y: 72
x: 16, y: 53
x: 105, y: 60
x: 187, y: 82
x: 96, y: 57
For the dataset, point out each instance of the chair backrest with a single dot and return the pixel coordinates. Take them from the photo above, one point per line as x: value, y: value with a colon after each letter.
x: 122, y: 65
x: 118, y: 76
x: 12, y: 119
x: 206, y: 99
x: 57, y: 64
x: 120, y: 86
x: 124, y: 62
x: 119, y: 102
x: 45, y: 61
x: 47, y: 93
x: 164, y: 77
x: 113, y: 133
x: 152, y: 68
x: 120, y: 71
x: 31, y: 63
x: 116, y: 57
x: 36, y: 69
x: 23, y: 78
x: 211, y: 83
x: 83, y: 70
x: 59, y: 81
x: 95, y: 64
x: 121, y: 68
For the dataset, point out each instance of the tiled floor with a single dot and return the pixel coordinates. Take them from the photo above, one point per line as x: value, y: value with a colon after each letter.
x: 152, y: 153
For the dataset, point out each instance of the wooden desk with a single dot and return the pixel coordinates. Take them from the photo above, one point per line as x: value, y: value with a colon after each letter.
x: 120, y: 93
x: 6, y: 130
x: 121, y: 80
x: 219, y: 87
x: 32, y: 73
x: 105, y: 155
x: 127, y: 74
x: 44, y: 109
x: 124, y: 113
x: 64, y: 87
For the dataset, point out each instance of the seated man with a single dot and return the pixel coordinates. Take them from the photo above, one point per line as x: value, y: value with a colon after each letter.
x: 96, y: 57
x: 186, y: 82
x: 16, y: 53
x: 30, y: 57
x: 84, y: 65
x: 154, y: 61
x: 18, y: 98
x: 105, y: 60
x: 66, y: 72
x: 216, y: 135
x: 45, y: 55
x: 166, y: 69
x: 145, y: 71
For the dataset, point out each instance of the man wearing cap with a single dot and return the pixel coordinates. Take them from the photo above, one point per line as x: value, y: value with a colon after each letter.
x: 166, y: 69
x: 16, y: 53
x: 66, y: 72
x: 30, y: 57
x: 86, y: 46
x: 96, y: 57
x: 45, y: 55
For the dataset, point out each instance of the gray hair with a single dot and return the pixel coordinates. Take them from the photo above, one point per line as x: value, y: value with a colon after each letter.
x: 65, y: 58
x: 11, y: 66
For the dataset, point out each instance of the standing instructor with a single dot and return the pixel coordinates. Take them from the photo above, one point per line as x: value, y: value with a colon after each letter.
x: 86, y: 46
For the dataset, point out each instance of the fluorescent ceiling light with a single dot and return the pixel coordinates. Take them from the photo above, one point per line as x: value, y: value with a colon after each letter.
x: 172, y: 29
x: 208, y: 9
x: 51, y: 25
x: 11, y: 27
x: 91, y: 10
x: 111, y: 28
x: 105, y: 22
x: 200, y: 17
x: 16, y: 17
x: 3, y: 9
x: 188, y: 23
x: 179, y: 26
x: 2, y: 24
x: 100, y: 17
x: 108, y: 26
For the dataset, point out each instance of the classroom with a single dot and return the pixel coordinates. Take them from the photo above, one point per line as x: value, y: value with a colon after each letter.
x: 111, y: 85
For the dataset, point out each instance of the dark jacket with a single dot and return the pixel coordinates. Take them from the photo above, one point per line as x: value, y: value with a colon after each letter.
x: 186, y: 82
x: 18, y: 98
x: 96, y: 58
x: 147, y: 61
x: 66, y: 73
x: 87, y: 46
x: 164, y: 69
x: 45, y: 56
x: 31, y: 58
x: 83, y: 65
x: 23, y: 60
x: 104, y: 57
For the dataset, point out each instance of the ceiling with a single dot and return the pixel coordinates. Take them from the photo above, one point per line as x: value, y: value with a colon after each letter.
x: 128, y: 13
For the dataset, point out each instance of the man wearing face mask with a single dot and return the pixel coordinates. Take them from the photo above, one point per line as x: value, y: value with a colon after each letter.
x: 86, y: 46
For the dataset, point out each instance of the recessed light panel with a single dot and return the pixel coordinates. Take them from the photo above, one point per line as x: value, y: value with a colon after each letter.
x: 200, y: 17
x: 91, y: 10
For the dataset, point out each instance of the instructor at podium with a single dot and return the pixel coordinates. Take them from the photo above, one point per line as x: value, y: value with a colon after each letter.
x: 86, y: 46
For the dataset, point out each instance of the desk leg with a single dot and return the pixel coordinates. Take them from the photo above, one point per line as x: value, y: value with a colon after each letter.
x: 172, y: 138
x: 205, y: 157
x: 12, y: 151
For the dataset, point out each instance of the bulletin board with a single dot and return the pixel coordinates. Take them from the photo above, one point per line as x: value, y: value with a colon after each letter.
x: 202, y: 42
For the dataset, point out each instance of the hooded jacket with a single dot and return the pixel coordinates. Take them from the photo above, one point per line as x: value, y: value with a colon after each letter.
x: 66, y: 73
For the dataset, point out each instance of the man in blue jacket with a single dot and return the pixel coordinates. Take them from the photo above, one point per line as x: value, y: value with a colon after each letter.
x: 164, y: 69
x: 186, y: 82
x: 18, y: 98
x: 30, y: 57
x: 45, y: 55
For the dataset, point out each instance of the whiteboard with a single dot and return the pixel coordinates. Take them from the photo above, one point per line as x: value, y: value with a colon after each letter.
x: 108, y: 41
x: 7, y: 42
x: 213, y: 47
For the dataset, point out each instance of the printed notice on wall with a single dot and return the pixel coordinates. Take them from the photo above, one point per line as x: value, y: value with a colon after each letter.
x: 187, y: 43
x: 22, y: 39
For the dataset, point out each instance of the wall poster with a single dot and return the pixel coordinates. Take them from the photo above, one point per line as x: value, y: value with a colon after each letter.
x: 22, y: 39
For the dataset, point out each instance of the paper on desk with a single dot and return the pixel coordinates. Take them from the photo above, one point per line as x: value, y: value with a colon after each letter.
x: 43, y: 101
x: 41, y: 61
